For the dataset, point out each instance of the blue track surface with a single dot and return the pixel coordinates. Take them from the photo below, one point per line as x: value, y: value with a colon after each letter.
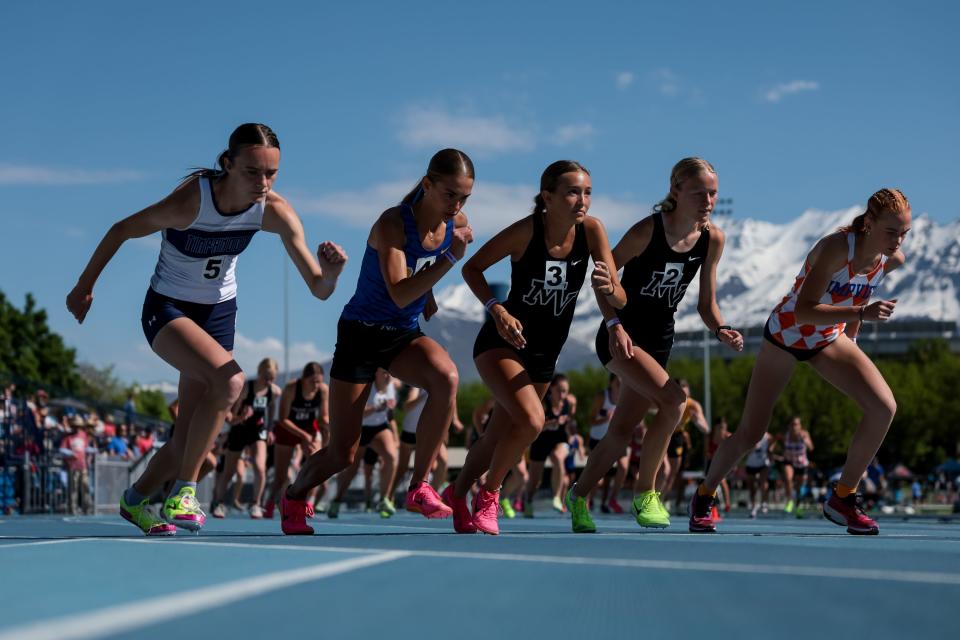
x: 408, y: 577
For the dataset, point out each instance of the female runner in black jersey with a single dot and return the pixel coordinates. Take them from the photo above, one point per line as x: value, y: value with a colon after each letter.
x: 516, y: 350
x: 304, y: 412
x: 660, y: 256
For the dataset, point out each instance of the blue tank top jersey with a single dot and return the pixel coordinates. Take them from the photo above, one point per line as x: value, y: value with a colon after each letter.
x: 371, y: 303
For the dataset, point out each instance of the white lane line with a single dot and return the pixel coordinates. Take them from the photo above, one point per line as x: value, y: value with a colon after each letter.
x: 844, y: 573
x: 376, y: 528
x: 40, y: 542
x: 111, y: 620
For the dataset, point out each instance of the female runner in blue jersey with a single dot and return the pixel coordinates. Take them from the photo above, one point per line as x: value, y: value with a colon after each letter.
x: 189, y: 314
x: 517, y: 348
x: 410, y: 247
x: 660, y: 256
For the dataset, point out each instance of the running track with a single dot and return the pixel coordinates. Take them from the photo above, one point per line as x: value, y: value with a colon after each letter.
x: 406, y: 578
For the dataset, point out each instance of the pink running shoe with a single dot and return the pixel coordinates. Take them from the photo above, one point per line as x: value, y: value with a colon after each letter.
x: 848, y: 513
x: 268, y: 509
x: 486, y: 506
x: 293, y: 517
x: 614, y: 505
x: 311, y: 511
x: 426, y: 501
x: 462, y: 520
x: 701, y: 513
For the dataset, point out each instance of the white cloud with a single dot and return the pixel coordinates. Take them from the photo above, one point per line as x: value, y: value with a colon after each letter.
x: 357, y: 208
x: 28, y: 175
x: 165, y: 387
x: 778, y: 92
x: 667, y: 82
x: 249, y: 352
x: 625, y: 79
x: 573, y: 133
x: 432, y: 127
x: 492, y: 206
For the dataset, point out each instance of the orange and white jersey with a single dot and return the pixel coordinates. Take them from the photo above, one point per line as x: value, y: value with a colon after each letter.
x: 846, y: 289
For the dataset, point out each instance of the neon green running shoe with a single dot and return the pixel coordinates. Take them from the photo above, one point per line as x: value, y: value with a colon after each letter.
x: 649, y: 511
x: 143, y: 517
x: 184, y: 511
x: 386, y: 508
x: 580, y: 514
x: 789, y: 507
x: 507, y: 508
x: 662, y: 507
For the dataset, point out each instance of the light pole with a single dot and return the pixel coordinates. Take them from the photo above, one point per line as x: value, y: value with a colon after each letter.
x: 724, y: 207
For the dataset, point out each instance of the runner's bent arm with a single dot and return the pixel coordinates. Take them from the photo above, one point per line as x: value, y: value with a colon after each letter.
x: 388, y: 238
x: 320, y: 277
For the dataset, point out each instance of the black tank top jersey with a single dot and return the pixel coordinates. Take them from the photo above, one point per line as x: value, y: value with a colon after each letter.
x: 550, y: 415
x: 655, y: 282
x: 544, y: 289
x: 305, y: 413
x: 258, y: 403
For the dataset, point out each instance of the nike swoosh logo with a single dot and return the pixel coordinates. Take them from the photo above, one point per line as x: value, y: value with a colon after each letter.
x: 692, y: 258
x: 573, y: 264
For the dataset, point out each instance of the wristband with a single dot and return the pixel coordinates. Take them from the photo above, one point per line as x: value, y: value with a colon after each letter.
x: 489, y: 303
x: 612, y: 322
x: 449, y: 256
x: 719, y: 329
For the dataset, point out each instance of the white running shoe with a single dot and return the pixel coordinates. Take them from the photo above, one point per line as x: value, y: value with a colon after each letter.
x: 256, y: 512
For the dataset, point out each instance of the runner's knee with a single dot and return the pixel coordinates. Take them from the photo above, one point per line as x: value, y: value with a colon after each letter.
x: 226, y: 385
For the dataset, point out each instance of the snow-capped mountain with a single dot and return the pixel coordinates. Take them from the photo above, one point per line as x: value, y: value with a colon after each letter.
x: 759, y: 264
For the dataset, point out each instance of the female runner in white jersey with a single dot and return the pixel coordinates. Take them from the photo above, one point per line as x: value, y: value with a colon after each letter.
x: 817, y: 322
x: 189, y: 314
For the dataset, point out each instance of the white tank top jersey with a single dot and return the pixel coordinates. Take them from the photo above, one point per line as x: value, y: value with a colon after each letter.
x: 597, y: 431
x: 199, y: 263
x: 412, y: 416
x: 378, y: 418
x: 759, y: 456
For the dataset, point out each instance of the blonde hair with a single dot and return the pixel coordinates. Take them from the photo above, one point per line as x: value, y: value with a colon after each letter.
x: 686, y: 168
x: 268, y: 363
x: 885, y: 200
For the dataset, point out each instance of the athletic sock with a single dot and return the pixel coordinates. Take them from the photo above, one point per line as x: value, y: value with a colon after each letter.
x: 703, y: 492
x: 133, y: 497
x: 843, y: 490
x: 180, y: 484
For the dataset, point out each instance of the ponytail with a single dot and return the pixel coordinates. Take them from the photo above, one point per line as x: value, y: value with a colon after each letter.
x: 884, y: 200
x: 539, y: 205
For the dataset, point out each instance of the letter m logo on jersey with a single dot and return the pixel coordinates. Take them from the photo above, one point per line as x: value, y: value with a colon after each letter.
x: 539, y: 294
x: 667, y: 284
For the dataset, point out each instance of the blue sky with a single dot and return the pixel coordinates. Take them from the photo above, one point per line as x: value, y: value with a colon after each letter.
x: 106, y: 105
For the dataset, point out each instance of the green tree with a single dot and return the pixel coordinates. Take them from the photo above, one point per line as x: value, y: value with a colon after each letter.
x: 100, y: 385
x: 151, y: 402
x: 31, y: 351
